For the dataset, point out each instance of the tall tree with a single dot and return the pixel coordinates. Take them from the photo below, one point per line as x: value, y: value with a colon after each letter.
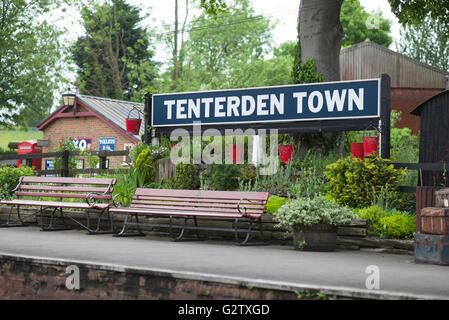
x: 217, y: 48
x: 426, y: 42
x: 31, y: 61
x: 114, y: 58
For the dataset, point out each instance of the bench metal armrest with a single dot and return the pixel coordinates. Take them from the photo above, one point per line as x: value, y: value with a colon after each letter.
x: 116, y: 204
x: 13, y: 190
x: 238, y: 206
x: 90, y: 196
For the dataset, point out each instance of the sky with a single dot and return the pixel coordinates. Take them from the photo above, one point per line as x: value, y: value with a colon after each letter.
x: 283, y: 11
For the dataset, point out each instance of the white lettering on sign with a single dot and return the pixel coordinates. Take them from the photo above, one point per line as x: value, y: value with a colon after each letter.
x: 335, y: 100
x: 169, y: 104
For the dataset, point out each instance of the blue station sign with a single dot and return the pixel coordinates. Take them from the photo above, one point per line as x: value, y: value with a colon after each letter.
x: 306, y: 102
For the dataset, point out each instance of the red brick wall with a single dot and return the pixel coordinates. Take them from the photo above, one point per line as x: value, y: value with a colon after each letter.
x: 406, y: 100
x: 84, y: 127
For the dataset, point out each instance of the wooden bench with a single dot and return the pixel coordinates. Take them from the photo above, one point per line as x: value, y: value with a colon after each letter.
x: 191, y: 204
x: 58, y: 193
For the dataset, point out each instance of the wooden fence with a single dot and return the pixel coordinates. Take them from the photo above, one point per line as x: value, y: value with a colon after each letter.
x: 435, y: 167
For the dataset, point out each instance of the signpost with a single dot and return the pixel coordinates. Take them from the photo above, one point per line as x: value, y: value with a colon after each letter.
x: 317, y: 107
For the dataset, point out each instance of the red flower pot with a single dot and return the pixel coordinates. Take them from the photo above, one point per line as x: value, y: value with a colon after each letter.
x: 133, y: 125
x: 286, y: 153
x: 370, y: 146
x: 357, y: 150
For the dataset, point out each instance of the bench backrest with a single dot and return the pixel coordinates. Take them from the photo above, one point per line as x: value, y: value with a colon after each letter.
x: 62, y: 187
x: 225, y: 202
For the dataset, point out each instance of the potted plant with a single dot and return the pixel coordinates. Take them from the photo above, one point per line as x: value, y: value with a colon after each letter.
x: 286, y: 149
x: 313, y: 222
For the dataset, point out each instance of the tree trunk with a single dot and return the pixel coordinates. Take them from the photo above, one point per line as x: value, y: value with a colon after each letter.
x: 175, y: 49
x: 320, y: 34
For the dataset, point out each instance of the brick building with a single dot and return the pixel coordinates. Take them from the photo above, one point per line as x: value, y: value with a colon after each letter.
x: 412, y: 82
x: 92, y: 123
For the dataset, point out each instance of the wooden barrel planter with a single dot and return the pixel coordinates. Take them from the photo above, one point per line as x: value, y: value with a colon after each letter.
x: 318, y: 237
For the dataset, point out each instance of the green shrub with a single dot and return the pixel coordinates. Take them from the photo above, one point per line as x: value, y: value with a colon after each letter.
x: 146, y: 166
x: 274, y: 203
x: 134, y: 153
x: 221, y: 177
x: 9, y: 179
x: 308, y: 184
x: 127, y: 183
x: 185, y: 177
x: 372, y: 214
x: 354, y: 182
x: 397, y: 226
x: 388, y: 224
x: 306, y: 212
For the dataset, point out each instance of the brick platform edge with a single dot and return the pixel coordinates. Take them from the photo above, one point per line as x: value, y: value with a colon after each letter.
x: 26, y: 277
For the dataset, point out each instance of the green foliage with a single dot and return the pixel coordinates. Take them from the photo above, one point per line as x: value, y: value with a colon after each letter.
x: 398, y: 226
x: 304, y: 72
x: 220, y: 177
x: 388, y: 224
x: 309, y: 184
x: 359, y: 25
x: 134, y: 153
x: 220, y: 51
x: 186, y: 177
x: 114, y: 57
x: 127, y: 183
x: 354, y: 182
x: 146, y: 166
x: 307, y: 212
x: 66, y: 145
x: 9, y: 179
x: 32, y: 64
x: 274, y: 203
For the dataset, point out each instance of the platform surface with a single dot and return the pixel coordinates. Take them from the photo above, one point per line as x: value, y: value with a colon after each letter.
x: 398, y: 274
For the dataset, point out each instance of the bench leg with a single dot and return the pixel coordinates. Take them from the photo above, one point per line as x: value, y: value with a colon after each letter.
x: 126, y: 224
x: 248, y: 234
x: 181, y: 233
x: 98, y: 229
x: 17, y: 223
x: 53, y: 217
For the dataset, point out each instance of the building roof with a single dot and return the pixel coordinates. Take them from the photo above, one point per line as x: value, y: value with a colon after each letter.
x: 417, y: 110
x: 368, y: 60
x: 114, y: 112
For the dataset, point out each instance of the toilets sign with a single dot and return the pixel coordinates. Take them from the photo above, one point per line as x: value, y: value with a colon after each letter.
x: 292, y: 103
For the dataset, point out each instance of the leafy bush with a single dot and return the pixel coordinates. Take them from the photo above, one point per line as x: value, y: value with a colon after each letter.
x: 221, y: 177
x: 146, y: 166
x: 372, y: 214
x: 354, y: 182
x: 308, y: 185
x: 388, y: 224
x: 306, y: 212
x: 274, y: 203
x: 66, y: 145
x: 398, y: 226
x: 134, y: 153
x: 9, y: 179
x: 185, y: 177
x: 127, y: 183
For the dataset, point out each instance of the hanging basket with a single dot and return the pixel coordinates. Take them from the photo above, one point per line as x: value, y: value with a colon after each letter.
x: 357, y: 150
x: 133, y: 124
x: 370, y: 146
x: 286, y: 152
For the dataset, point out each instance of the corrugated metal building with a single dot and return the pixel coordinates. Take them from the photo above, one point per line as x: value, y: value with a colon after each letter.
x: 412, y: 82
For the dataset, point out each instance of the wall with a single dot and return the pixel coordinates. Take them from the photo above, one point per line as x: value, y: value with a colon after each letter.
x: 406, y: 100
x: 85, y: 127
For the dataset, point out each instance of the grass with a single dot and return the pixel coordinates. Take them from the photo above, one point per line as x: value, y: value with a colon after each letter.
x: 17, y: 135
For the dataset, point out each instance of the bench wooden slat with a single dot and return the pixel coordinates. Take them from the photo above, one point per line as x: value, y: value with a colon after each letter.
x: 192, y: 209
x: 179, y: 213
x: 199, y: 204
x: 236, y: 195
x: 67, y: 180
x: 54, y: 204
x: 61, y: 195
x: 63, y: 188
x: 203, y: 200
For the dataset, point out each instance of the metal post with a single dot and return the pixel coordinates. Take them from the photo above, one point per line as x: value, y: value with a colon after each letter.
x: 385, y: 112
x: 147, y: 115
x: 65, y: 164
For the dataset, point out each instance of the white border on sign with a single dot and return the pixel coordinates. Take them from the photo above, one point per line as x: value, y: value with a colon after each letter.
x: 271, y: 121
